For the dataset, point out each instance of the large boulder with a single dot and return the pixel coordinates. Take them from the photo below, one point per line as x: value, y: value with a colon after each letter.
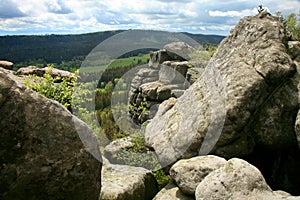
x: 237, y: 180
x: 42, y: 155
x: 188, y: 173
x: 218, y: 112
x: 179, y: 50
x: 120, y: 182
x: 6, y: 64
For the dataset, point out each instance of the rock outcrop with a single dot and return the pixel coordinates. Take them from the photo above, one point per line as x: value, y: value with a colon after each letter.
x: 120, y: 182
x: 45, y: 151
x: 244, y: 105
x: 251, y: 65
x: 6, y: 64
x: 165, y: 76
x: 33, y: 70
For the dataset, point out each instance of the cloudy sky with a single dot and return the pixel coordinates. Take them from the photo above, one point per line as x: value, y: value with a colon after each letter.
x: 83, y: 16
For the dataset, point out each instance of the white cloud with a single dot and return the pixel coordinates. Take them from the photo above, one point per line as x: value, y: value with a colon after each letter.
x: 73, y: 16
x: 233, y: 13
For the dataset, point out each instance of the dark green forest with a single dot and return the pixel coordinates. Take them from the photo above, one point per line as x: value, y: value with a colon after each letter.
x: 61, y: 49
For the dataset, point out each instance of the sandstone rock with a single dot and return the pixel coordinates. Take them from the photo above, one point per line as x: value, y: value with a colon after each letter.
x: 33, y: 70
x: 273, y: 125
x: 177, y: 93
x: 42, y: 155
x: 166, y: 105
x: 164, y: 77
x: 6, y: 64
x: 30, y: 70
x: 129, y: 151
x: 216, y: 113
x: 297, y: 128
x: 294, y: 49
x: 193, y: 74
x: 147, y: 72
x: 150, y: 90
x: 120, y: 182
x: 284, y: 195
x: 157, y: 58
x: 173, y: 72
x: 113, y: 152
x: 236, y: 180
x: 189, y: 173
x: 179, y: 50
x: 171, y: 192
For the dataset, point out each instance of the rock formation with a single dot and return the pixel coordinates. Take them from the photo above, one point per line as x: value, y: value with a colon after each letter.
x: 244, y: 105
x: 33, y: 70
x: 166, y: 76
x: 6, y: 64
x: 45, y: 151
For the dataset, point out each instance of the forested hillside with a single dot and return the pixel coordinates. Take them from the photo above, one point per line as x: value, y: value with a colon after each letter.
x: 57, y: 48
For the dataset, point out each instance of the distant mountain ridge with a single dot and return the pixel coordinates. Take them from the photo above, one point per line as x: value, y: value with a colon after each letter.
x: 58, y: 48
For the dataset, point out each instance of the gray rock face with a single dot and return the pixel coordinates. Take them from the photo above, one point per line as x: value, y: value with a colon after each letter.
x: 163, y: 78
x: 294, y: 50
x: 6, y: 64
x: 193, y: 74
x: 41, y: 71
x: 179, y: 50
x: 297, y: 128
x: 171, y: 192
x: 237, y: 180
x: 172, y: 72
x: 120, y: 182
x: 217, y: 113
x: 188, y: 173
x: 41, y: 153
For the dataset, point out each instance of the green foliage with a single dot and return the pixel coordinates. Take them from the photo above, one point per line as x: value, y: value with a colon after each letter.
x: 162, y: 178
x: 56, y: 88
x: 140, y: 155
x: 136, y: 110
x: 108, y: 125
x: 202, y: 55
x: 292, y: 24
x: 211, y: 49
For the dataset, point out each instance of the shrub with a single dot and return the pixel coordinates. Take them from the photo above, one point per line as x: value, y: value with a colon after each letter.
x: 50, y: 88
